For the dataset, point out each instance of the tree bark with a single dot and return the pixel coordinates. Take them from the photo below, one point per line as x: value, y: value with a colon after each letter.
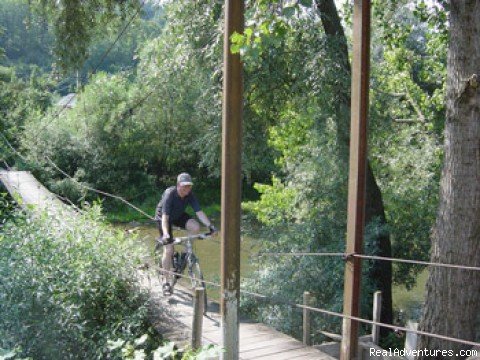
x: 381, y: 272
x: 452, y: 302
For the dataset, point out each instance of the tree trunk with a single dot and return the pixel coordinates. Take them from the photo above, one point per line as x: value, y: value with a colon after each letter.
x: 381, y: 272
x: 452, y: 299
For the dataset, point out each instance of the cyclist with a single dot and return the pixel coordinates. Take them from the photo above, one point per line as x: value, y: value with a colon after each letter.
x: 171, y: 211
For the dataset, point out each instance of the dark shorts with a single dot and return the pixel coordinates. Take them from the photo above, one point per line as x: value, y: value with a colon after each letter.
x: 181, y: 222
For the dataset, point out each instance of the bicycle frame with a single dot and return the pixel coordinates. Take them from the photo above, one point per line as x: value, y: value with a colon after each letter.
x: 190, y: 260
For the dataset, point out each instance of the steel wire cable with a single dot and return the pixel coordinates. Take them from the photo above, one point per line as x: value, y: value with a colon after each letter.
x: 81, y: 184
x: 100, y: 191
x: 300, y: 306
x: 189, y: 277
x: 262, y: 254
x: 418, y: 262
x: 279, y: 301
x: 381, y: 258
x: 345, y: 255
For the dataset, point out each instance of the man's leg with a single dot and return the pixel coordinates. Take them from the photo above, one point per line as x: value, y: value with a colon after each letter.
x: 167, y: 256
x: 167, y: 263
x: 192, y: 226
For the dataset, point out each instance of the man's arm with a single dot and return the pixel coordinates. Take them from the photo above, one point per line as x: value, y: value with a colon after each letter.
x: 165, y: 219
x: 203, y: 218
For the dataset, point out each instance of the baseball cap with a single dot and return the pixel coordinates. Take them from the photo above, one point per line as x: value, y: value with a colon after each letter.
x: 184, y: 179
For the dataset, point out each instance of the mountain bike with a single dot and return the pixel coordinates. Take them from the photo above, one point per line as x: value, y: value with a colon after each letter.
x: 186, y: 260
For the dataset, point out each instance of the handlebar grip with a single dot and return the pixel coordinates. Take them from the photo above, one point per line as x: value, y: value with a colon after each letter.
x: 167, y: 241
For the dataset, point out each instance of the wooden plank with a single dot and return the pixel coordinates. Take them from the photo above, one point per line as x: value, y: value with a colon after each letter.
x: 261, y: 344
x: 302, y: 354
x: 273, y: 350
x: 248, y: 337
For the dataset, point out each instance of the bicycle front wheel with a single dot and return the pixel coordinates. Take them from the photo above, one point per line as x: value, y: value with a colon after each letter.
x: 196, y: 277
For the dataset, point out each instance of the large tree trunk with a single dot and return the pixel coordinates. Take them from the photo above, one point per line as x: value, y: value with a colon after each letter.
x: 381, y: 272
x: 452, y: 300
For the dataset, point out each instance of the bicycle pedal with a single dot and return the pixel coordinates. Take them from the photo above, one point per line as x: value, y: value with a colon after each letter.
x: 167, y: 289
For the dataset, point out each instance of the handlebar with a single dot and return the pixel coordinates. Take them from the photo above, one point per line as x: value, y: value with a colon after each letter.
x: 179, y: 240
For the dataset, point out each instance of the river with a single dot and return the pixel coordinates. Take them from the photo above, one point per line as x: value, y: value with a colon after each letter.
x: 208, y: 251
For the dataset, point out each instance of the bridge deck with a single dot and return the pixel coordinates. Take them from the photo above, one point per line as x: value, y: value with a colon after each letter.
x: 256, y: 341
x: 29, y: 192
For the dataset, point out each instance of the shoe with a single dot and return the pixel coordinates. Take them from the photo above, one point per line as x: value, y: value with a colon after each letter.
x: 167, y: 289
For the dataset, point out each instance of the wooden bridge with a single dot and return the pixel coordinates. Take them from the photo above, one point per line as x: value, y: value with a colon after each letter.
x: 257, y: 341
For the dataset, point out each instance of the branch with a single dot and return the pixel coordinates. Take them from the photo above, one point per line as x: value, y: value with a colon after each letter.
x: 414, y: 105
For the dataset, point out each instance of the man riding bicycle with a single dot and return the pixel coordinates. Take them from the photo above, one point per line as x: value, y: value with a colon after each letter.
x: 171, y: 211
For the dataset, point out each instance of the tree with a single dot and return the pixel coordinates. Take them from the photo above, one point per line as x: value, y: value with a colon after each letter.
x: 76, y: 23
x: 375, y: 210
x: 452, y: 307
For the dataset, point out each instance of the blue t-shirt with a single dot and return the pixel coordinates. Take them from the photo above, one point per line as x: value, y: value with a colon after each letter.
x: 174, y: 206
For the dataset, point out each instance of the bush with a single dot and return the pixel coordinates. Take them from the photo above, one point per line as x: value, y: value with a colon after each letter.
x: 68, y: 286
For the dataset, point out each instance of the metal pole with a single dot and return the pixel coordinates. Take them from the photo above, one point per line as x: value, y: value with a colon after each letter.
x: 377, y: 309
x: 307, y: 340
x: 197, y: 324
x: 356, y: 183
x: 231, y: 181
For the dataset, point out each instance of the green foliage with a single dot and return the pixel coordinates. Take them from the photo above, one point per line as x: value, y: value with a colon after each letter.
x: 186, y: 64
x: 137, y: 350
x: 11, y: 355
x: 68, y: 286
x: 20, y: 100
x: 306, y: 212
x: 407, y: 123
x: 97, y: 143
x: 77, y: 23
x: 26, y: 39
x: 7, y: 207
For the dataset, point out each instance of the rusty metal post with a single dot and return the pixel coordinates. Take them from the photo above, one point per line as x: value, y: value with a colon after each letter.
x: 307, y: 300
x: 356, y: 183
x: 197, y: 321
x: 377, y: 309
x: 231, y: 181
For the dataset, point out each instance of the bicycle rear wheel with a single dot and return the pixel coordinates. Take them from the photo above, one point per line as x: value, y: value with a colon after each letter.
x: 196, y: 277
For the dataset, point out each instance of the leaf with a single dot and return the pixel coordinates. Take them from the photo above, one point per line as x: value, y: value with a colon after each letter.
x: 306, y: 3
x: 235, y: 49
x: 114, y: 345
x: 165, y: 351
x: 140, y: 341
x: 237, y: 38
x: 289, y: 11
x: 209, y: 352
x: 7, y: 354
x: 139, y: 355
